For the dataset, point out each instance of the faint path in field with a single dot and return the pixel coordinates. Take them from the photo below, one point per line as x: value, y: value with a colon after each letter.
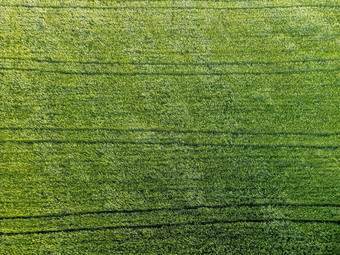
x: 163, y: 7
x: 173, y: 143
x: 176, y: 131
x: 162, y: 225
x: 58, y: 215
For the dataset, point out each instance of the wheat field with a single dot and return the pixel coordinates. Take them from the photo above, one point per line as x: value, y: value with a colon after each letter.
x: 169, y: 127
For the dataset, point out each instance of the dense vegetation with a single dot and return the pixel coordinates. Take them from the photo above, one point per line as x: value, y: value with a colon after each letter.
x: 169, y: 127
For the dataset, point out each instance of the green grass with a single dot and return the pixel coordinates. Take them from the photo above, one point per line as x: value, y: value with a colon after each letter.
x: 169, y: 127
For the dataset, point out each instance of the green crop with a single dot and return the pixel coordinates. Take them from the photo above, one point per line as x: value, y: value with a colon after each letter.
x: 169, y: 127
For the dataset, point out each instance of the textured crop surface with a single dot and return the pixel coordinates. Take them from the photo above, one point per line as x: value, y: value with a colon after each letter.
x: 169, y: 127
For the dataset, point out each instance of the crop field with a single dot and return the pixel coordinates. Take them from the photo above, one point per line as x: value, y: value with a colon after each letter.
x: 169, y: 127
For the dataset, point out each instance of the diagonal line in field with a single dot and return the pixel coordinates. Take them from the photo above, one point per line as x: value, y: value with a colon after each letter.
x: 161, y: 225
x: 59, y: 215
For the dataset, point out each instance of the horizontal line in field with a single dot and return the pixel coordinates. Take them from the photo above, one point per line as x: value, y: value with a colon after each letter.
x: 241, y: 157
x: 163, y: 7
x: 141, y: 130
x: 166, y: 74
x: 58, y: 215
x: 169, y: 63
x: 91, y: 200
x: 171, y: 143
x: 161, y: 225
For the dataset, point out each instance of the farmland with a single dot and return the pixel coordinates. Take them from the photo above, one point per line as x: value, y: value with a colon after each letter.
x: 169, y: 127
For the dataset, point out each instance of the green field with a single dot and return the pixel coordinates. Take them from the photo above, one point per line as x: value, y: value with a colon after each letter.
x: 169, y: 127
